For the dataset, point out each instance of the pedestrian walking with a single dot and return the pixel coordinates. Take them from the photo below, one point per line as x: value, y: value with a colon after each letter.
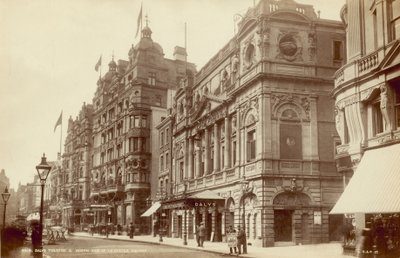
x: 231, y: 239
x: 197, y: 235
x: 36, y: 241
x: 202, y: 234
x: 131, y: 230
x: 241, y: 241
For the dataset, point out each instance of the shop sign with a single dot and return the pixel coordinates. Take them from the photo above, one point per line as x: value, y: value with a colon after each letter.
x: 204, y: 204
x: 317, y: 217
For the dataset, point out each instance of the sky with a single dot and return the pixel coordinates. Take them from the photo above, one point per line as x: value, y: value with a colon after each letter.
x: 49, y: 48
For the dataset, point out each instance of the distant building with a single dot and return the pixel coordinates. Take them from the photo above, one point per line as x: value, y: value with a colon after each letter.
x: 72, y: 180
x: 254, y: 131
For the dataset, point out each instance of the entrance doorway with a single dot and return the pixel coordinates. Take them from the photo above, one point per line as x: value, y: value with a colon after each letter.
x: 305, y: 229
x: 283, y: 225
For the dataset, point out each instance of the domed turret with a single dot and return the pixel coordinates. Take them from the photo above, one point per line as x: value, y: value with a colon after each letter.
x: 112, y: 66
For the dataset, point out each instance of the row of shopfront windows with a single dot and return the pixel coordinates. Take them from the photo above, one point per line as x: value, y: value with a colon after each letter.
x: 284, y: 224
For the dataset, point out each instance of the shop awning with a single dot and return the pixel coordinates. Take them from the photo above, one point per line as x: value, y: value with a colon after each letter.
x: 97, y: 207
x: 33, y: 216
x: 206, y: 195
x: 375, y: 185
x: 151, y: 210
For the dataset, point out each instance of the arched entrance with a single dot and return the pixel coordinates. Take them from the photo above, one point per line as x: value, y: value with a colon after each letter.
x: 291, y: 213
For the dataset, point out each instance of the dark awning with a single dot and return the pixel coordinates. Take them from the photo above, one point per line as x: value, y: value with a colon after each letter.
x: 205, y: 198
x: 375, y: 185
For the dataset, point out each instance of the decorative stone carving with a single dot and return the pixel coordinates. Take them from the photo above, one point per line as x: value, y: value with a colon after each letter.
x: 299, y: 103
x: 235, y: 66
x: 292, y: 199
x: 249, y: 54
x: 249, y: 106
x: 339, y: 123
x: 385, y: 109
x: 264, y: 36
x: 289, y: 46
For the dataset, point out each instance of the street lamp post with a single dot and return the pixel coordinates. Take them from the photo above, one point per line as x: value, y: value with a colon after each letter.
x: 43, y: 170
x: 244, y: 185
x: 5, y: 195
x: 185, y: 216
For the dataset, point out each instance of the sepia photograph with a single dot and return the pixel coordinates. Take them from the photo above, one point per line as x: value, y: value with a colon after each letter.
x: 200, y: 128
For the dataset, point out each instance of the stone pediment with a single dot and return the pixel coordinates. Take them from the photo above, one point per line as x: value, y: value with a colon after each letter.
x: 204, y: 106
x: 392, y: 58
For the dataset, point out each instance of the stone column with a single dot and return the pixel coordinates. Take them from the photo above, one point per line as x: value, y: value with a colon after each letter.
x: 216, y: 147
x: 198, y: 156
x: 207, y: 151
x: 227, y: 154
x: 190, y: 157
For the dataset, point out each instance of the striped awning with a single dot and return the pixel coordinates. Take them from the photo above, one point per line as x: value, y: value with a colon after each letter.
x: 152, y: 209
x: 375, y: 185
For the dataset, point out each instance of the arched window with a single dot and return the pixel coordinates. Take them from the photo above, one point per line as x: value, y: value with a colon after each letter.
x: 290, y: 134
x: 250, y: 138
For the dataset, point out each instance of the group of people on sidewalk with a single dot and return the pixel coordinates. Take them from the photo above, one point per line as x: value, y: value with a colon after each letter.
x: 236, y: 240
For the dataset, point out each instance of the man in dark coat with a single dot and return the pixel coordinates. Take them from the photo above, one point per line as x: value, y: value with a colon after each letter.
x: 202, y: 234
x: 131, y: 230
x: 241, y: 241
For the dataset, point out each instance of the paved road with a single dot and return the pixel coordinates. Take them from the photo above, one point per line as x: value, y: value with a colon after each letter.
x: 101, y: 248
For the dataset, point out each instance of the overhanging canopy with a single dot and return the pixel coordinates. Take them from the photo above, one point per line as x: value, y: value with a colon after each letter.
x: 151, y: 210
x: 33, y: 216
x: 375, y: 185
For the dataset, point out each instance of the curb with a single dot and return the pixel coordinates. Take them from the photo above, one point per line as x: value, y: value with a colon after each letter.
x: 163, y: 243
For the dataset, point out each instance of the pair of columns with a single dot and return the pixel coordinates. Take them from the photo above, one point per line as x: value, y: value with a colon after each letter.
x: 196, y: 152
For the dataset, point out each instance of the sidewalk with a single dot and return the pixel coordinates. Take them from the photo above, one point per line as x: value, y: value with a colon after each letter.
x: 330, y: 250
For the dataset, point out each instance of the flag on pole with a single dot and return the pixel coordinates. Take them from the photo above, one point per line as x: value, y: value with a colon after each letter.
x: 59, y: 122
x: 139, y: 20
x: 98, y: 64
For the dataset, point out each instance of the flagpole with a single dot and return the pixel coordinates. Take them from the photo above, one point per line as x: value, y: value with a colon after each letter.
x: 61, y: 136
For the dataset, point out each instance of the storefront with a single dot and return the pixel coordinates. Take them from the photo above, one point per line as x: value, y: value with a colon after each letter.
x: 371, y: 202
x: 186, y: 212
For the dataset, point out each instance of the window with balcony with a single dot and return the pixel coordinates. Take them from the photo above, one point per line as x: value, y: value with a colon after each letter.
x: 133, y: 144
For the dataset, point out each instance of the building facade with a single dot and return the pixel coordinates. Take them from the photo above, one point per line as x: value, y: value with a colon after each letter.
x: 254, y: 131
x: 367, y: 104
x: 72, y: 181
x: 130, y: 100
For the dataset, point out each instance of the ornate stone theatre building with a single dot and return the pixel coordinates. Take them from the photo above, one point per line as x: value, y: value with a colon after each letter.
x: 254, y: 131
